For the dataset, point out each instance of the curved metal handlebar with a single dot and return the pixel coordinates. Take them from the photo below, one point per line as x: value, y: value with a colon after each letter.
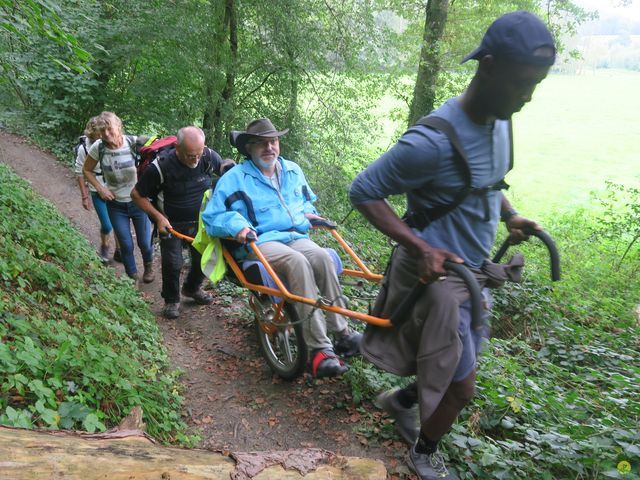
x: 331, y: 225
x: 401, y: 312
x: 475, y: 293
x: 554, y: 256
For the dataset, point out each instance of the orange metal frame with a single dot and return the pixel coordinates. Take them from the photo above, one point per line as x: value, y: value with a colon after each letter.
x: 282, y: 290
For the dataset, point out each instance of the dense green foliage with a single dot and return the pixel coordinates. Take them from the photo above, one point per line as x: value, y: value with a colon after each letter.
x: 318, y: 67
x: 78, y: 347
x: 28, y: 22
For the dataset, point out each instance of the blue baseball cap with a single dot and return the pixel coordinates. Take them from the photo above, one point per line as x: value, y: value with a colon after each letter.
x: 519, y: 37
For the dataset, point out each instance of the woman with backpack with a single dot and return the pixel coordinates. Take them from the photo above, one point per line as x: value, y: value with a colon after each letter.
x: 115, y: 153
x: 91, y: 134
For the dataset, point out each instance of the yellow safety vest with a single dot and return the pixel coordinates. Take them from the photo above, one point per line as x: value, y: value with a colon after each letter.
x: 212, y: 263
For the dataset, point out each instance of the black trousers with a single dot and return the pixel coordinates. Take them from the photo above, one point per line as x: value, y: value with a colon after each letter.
x: 172, y: 262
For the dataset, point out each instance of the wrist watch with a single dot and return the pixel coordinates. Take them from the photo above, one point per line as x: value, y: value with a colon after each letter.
x: 507, y: 214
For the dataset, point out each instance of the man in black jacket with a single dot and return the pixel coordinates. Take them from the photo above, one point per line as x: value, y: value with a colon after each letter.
x: 176, y: 182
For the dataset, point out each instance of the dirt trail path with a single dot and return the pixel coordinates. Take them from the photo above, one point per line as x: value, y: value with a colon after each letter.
x: 230, y: 394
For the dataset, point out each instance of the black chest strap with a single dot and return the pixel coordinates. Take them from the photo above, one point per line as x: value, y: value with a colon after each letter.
x: 420, y: 219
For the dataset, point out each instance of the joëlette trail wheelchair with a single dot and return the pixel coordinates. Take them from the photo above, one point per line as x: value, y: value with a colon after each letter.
x: 277, y: 324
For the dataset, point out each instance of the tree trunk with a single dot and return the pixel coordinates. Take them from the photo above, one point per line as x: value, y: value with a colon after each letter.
x: 217, y: 120
x: 293, y: 140
x: 125, y: 454
x: 425, y: 90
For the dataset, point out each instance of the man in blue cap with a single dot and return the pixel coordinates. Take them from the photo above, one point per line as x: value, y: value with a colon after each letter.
x: 451, y: 166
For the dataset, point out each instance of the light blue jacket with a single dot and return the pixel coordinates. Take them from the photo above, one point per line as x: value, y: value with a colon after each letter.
x: 244, y: 197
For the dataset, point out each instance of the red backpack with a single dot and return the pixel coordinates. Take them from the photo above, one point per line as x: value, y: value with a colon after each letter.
x: 151, y: 149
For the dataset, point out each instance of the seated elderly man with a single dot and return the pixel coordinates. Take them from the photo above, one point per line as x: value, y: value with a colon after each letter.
x: 269, y: 195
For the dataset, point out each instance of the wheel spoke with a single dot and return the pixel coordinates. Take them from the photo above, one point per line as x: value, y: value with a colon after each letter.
x: 283, y: 347
x: 283, y: 337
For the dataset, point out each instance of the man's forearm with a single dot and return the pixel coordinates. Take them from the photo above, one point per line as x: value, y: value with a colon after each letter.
x: 381, y: 216
x: 506, y: 210
x: 504, y: 203
x: 146, y: 206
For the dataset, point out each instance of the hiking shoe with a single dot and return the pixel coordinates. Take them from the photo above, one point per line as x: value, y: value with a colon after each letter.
x: 148, y: 276
x: 199, y: 296
x: 104, y: 253
x: 428, y: 466
x: 136, y: 279
x: 171, y: 310
x: 406, y: 419
x: 325, y: 363
x: 117, y: 257
x: 348, y: 345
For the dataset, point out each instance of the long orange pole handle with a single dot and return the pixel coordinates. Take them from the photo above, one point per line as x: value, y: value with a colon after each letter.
x: 283, y: 291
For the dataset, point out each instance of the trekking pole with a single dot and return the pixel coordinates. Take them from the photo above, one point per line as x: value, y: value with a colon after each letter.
x: 554, y: 256
x: 399, y: 316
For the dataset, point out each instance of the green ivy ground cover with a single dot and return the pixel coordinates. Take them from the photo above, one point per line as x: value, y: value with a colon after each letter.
x: 79, y: 348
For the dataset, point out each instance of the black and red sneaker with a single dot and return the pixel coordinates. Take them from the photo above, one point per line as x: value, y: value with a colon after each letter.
x: 348, y: 345
x: 325, y: 363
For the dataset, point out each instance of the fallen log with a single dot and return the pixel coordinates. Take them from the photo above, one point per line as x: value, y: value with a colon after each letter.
x: 131, y: 454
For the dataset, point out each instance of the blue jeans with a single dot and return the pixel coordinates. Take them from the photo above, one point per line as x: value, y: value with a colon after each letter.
x: 121, y: 215
x: 101, y: 210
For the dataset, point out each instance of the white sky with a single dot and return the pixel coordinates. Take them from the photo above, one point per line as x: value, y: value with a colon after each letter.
x: 612, y: 8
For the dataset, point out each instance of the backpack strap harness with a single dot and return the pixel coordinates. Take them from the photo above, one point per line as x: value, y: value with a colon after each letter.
x: 421, y: 218
x: 82, y: 142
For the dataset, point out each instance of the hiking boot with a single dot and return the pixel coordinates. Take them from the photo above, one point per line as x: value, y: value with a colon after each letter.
x: 325, y: 363
x: 136, y: 279
x: 171, y: 310
x: 348, y: 345
x: 199, y: 296
x: 148, y: 276
x: 406, y: 419
x: 428, y: 466
x: 117, y: 257
x: 104, y: 253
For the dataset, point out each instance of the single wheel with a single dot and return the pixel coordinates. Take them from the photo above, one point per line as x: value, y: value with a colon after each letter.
x: 281, y: 342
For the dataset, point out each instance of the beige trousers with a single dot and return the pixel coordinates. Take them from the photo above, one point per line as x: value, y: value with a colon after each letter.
x: 309, y: 271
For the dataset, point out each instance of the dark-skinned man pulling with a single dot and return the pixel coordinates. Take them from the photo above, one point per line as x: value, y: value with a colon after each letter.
x: 436, y: 342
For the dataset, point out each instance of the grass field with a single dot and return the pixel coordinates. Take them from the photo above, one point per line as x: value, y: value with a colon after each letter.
x: 578, y: 132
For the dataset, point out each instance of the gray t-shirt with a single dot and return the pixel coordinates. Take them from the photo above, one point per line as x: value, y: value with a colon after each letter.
x: 118, y: 168
x: 422, y: 166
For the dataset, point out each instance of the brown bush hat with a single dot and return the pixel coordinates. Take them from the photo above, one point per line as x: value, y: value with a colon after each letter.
x: 262, y: 127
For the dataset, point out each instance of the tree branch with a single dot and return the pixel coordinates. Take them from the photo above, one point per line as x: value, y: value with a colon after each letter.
x: 264, y: 80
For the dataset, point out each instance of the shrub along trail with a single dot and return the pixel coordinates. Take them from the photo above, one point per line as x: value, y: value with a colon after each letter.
x: 231, y: 399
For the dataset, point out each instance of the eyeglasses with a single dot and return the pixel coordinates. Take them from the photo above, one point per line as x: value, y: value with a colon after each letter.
x: 263, y: 142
